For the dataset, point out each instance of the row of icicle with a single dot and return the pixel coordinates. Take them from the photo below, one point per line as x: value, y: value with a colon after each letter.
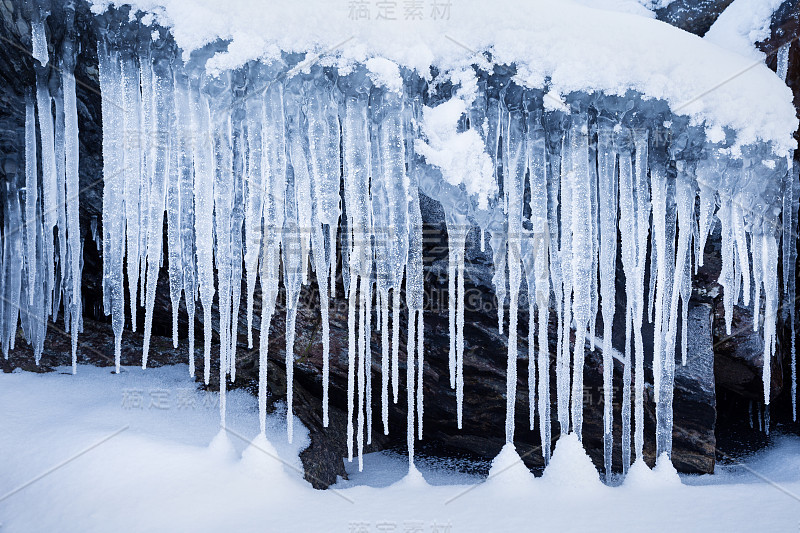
x: 41, y: 243
x: 247, y: 167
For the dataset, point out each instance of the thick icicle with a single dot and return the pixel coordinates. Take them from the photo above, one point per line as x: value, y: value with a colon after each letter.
x: 49, y: 184
x: 186, y: 218
x: 323, y: 138
x: 163, y: 100
x: 607, y: 197
x: 356, y: 145
x: 132, y: 169
x: 514, y: 174
x: 174, y: 209
x: 539, y: 242
x: 203, y: 157
x: 71, y: 151
x: 113, y: 191
x: 578, y: 177
x: 643, y: 210
x: 274, y: 148
x: 628, y: 224
x: 31, y: 196
x: 565, y: 258
x: 39, y: 39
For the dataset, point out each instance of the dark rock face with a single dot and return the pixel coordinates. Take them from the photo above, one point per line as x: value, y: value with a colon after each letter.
x: 694, y: 16
x: 734, y: 363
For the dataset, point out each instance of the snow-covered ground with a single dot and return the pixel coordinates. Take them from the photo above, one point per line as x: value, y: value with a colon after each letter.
x: 130, y: 452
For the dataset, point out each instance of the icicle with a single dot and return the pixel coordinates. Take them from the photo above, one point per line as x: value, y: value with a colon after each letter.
x: 685, y: 199
x: 384, y: 317
x: 132, y: 170
x: 71, y: 151
x: 163, y: 99
x: 607, y: 196
x: 113, y: 192
x: 539, y: 254
x: 351, y: 366
x: 565, y: 258
x: 148, y: 156
x: 594, y: 291
x: 782, y: 66
x: 274, y: 148
x: 514, y: 174
x: 63, y: 287
x: 31, y: 196
x: 174, y: 208
x: 457, y: 230
x: 239, y: 146
x: 362, y: 353
x: 186, y: 219
x: 38, y: 39
x: 410, y: 396
x: 254, y: 181
x: 323, y: 137
x: 219, y: 98
x: 451, y: 311
x: 628, y: 226
x: 49, y: 184
x: 368, y: 366
x: 579, y: 177
x: 269, y: 292
x: 392, y: 152
x: 292, y: 246
x: 203, y: 157
x: 553, y: 140
x: 13, y: 248
x: 356, y: 145
x: 414, y: 269
x: 769, y: 257
x: 789, y: 254
x: 643, y: 210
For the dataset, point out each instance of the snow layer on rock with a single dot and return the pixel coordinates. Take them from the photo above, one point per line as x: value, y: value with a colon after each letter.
x: 546, y: 39
x: 742, y: 24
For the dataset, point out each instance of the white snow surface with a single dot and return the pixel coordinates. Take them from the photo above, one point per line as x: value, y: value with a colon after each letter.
x: 548, y: 40
x: 161, y: 474
x: 741, y: 25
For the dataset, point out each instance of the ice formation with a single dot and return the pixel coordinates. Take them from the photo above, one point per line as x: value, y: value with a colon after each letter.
x: 262, y: 173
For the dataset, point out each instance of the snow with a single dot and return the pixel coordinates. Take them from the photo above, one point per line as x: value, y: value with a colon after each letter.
x: 164, y: 474
x: 628, y: 51
x: 742, y: 24
x: 508, y: 472
x: 384, y: 73
x: 570, y: 469
x: 461, y: 156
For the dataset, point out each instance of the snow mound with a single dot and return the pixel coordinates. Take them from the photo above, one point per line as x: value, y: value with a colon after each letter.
x: 508, y: 470
x: 570, y: 466
x: 412, y: 480
x: 261, y: 456
x: 222, y: 447
x: 665, y: 470
x: 640, y: 476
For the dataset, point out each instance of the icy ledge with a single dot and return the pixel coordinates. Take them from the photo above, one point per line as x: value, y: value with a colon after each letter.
x: 557, y: 45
